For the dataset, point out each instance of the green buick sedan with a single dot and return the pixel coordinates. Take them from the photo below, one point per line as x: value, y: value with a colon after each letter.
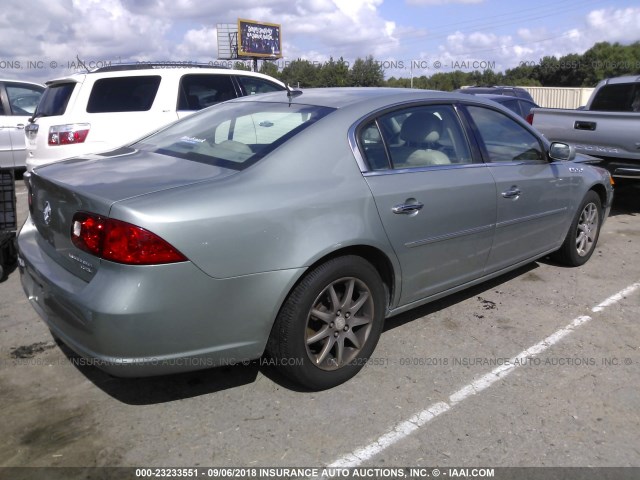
x: 292, y: 224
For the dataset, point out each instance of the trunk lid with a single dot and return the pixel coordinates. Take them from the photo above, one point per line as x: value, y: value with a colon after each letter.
x: 93, y: 184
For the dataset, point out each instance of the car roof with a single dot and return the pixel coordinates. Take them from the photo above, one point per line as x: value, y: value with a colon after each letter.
x: 145, y: 69
x: 625, y: 79
x: 341, y: 97
x: 13, y: 80
x: 501, y: 98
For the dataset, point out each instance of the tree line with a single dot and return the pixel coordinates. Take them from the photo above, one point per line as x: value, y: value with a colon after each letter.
x: 601, y: 61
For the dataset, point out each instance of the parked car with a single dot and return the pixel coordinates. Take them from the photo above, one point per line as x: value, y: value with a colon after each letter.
x: 497, y: 90
x: 18, y: 101
x: 606, y: 128
x: 521, y: 106
x: 295, y: 223
x: 110, y: 106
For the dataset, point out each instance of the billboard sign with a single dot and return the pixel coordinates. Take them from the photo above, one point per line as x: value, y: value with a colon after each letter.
x: 259, y: 39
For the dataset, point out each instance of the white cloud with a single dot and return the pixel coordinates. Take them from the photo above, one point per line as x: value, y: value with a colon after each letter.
x: 615, y: 25
x: 530, y: 45
x: 441, y: 2
x: 198, y: 43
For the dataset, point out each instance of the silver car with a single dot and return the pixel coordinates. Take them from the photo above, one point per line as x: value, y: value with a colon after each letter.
x: 292, y: 225
x: 18, y: 101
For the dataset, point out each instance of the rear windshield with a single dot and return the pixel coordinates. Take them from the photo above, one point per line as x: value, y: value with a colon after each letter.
x: 54, y: 100
x: 123, y: 94
x: 620, y: 97
x: 233, y: 135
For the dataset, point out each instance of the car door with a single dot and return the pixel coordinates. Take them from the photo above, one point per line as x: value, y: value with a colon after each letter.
x: 533, y: 196
x: 6, y: 149
x: 437, y: 205
x: 19, y: 101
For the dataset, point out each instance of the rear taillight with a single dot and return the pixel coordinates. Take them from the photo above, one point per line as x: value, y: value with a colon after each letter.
x: 529, y: 119
x: 121, y: 242
x: 68, y: 134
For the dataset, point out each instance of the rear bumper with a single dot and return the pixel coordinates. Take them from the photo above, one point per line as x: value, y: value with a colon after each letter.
x: 145, y: 321
x: 621, y: 168
x: 629, y: 171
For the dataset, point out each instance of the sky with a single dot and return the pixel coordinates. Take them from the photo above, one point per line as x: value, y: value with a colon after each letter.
x: 43, y: 39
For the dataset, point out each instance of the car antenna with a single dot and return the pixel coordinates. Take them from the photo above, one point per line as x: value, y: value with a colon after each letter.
x: 80, y: 62
x: 291, y: 93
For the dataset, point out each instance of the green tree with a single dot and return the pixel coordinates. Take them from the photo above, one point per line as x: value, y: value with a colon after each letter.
x: 242, y: 66
x: 269, y: 68
x: 334, y: 73
x: 605, y: 60
x: 366, y: 73
x: 301, y: 73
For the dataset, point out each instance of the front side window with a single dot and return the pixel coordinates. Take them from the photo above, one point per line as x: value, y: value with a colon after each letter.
x: 415, y: 137
x: 123, y: 94
x: 234, y: 135
x: 23, y: 99
x: 504, y: 139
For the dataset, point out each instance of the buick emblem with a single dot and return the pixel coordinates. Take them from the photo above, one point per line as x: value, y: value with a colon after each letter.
x: 46, y: 213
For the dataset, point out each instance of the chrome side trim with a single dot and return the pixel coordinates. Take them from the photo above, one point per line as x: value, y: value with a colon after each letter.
x: 449, y: 236
x: 428, y: 168
x: 531, y: 217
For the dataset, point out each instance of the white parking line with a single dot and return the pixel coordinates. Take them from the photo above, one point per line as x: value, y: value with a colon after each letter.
x: 615, y: 298
x: 407, y: 427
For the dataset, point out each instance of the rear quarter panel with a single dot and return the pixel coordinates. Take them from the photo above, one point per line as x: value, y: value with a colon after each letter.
x: 303, y: 201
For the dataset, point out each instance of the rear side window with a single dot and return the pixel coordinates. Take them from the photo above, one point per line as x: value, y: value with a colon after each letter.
x: 621, y: 97
x: 253, y: 86
x: 123, y: 94
x: 512, y: 105
x: 198, y: 91
x: 526, y: 107
x: 421, y: 136
x: 54, y: 100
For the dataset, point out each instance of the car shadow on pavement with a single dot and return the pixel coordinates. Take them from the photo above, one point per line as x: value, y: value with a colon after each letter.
x: 626, y: 199
x: 166, y: 388
x: 450, y: 300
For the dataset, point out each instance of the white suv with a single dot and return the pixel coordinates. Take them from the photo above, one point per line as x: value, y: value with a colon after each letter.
x: 112, y: 106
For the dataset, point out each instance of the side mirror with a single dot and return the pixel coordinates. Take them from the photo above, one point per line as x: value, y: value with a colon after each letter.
x: 562, y: 151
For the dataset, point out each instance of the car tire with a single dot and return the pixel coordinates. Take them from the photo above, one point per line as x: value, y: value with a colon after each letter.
x: 583, y: 234
x: 329, y: 324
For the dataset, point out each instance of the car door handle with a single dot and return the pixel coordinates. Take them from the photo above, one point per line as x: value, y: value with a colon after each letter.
x: 407, y: 208
x: 578, y: 125
x: 20, y: 126
x: 513, y: 192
